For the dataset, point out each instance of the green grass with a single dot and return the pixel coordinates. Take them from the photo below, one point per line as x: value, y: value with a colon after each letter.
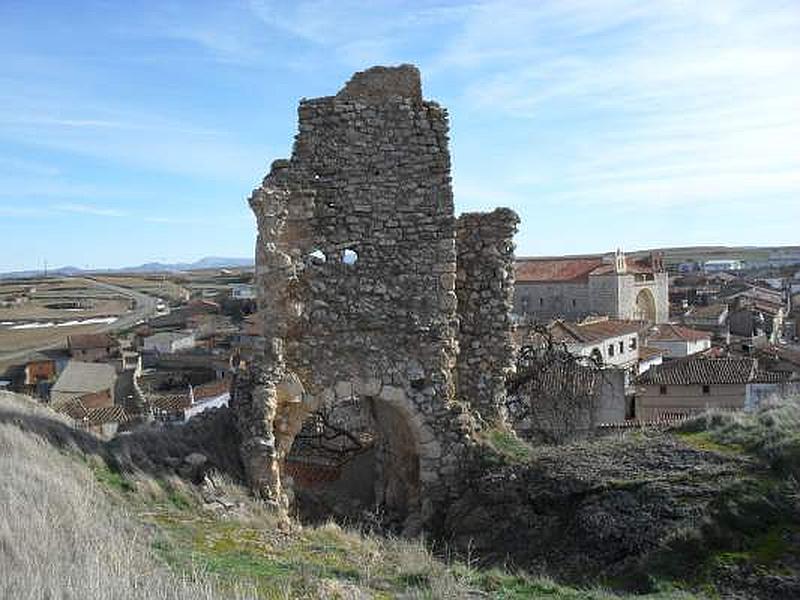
x: 110, y: 478
x: 706, y: 441
x: 772, y: 435
x: 283, y: 560
x: 507, y: 445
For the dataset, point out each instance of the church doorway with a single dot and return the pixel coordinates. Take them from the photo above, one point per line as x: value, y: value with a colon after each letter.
x: 645, y: 308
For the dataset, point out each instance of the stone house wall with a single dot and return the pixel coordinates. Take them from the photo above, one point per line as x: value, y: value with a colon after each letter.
x: 545, y: 301
x: 687, y: 399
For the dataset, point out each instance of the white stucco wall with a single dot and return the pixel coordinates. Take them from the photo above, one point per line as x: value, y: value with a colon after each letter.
x: 681, y: 348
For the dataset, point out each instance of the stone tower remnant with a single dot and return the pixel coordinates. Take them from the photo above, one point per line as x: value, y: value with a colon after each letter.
x: 370, y: 288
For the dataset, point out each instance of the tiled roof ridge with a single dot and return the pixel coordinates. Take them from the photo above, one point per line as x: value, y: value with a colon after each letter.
x: 694, y: 371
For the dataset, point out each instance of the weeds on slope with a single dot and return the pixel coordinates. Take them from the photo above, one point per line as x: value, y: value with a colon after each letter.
x: 60, y: 536
x: 71, y: 527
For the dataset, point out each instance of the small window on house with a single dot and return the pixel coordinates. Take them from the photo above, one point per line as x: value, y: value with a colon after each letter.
x: 706, y: 389
x: 611, y: 350
x: 622, y: 347
x: 662, y: 390
x: 541, y: 301
x: 633, y: 343
x: 573, y: 303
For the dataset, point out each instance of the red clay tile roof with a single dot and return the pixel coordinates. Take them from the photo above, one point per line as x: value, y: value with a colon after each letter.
x: 594, y: 332
x: 564, y: 380
x: 648, y: 352
x: 668, y: 332
x: 556, y: 269
x: 774, y: 377
x: 712, y: 311
x: 575, y: 269
x: 96, y: 399
x: 632, y: 267
x: 702, y: 371
x: 76, y: 411
x: 169, y: 402
x: 107, y: 414
x: 783, y: 353
x: 86, y: 341
x: 211, y: 390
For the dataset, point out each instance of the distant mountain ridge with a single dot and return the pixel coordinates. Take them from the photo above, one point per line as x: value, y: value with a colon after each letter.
x: 209, y: 262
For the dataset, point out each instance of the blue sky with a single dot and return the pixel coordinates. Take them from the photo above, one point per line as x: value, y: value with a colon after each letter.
x: 134, y: 131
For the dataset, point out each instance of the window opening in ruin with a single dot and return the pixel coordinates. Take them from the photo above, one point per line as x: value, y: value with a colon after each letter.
x: 611, y: 350
x: 317, y: 256
x: 350, y: 257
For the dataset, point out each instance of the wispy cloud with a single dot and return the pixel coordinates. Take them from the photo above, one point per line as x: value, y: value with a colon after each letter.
x: 90, y: 209
x: 656, y: 103
x: 22, y: 211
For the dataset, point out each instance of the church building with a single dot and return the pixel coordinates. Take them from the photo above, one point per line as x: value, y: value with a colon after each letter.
x: 574, y: 287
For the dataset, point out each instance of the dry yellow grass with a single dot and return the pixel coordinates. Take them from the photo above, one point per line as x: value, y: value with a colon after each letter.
x: 61, y: 537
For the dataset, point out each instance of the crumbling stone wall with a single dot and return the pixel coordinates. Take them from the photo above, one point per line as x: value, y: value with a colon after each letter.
x: 356, y: 276
x: 485, y: 291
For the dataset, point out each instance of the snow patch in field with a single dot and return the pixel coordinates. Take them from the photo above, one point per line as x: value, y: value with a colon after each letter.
x: 93, y: 321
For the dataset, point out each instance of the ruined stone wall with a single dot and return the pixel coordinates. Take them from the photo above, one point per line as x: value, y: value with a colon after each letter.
x: 485, y: 291
x: 356, y: 269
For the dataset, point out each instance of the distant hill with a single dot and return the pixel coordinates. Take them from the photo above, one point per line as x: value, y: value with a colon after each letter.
x: 209, y: 262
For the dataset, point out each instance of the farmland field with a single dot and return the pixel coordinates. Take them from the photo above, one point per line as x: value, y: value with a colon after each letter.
x: 39, y: 314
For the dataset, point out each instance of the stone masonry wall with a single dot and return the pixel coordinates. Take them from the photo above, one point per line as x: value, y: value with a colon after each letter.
x: 356, y: 279
x: 485, y: 291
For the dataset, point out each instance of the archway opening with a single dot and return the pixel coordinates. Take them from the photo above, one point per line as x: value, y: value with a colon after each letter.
x: 645, y: 307
x: 356, y: 460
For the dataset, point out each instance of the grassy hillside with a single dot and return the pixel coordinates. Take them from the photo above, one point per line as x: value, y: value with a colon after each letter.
x: 73, y: 527
x: 84, y: 519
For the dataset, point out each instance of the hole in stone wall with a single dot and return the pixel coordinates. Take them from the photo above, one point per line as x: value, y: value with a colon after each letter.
x: 359, y: 458
x: 317, y: 256
x: 350, y: 257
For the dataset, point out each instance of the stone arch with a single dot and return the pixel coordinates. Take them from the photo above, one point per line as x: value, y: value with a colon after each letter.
x: 645, y: 306
x: 405, y: 453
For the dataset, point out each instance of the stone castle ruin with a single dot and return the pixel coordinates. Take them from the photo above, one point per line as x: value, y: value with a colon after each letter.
x: 370, y: 289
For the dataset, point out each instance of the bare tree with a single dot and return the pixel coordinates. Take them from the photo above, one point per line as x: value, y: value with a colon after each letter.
x: 554, y: 395
x: 324, y: 439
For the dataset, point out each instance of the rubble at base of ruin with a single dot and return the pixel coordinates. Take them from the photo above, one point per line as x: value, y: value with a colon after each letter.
x: 369, y: 287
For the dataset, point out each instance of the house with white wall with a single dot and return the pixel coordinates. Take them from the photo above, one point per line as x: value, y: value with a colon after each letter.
x: 169, y: 342
x: 678, y: 341
x: 609, y: 342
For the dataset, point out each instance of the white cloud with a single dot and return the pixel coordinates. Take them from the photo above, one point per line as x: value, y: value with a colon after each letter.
x: 90, y: 209
x: 666, y: 103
